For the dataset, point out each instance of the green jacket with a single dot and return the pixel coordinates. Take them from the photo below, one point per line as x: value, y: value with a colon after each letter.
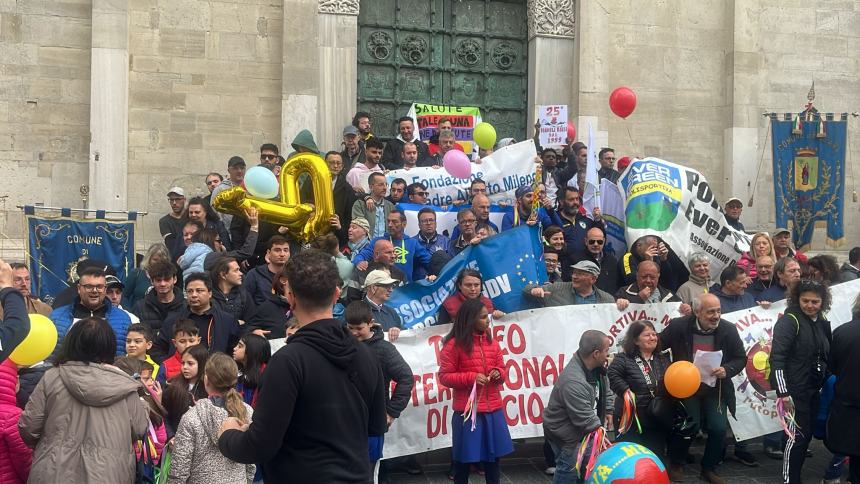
x: 561, y: 294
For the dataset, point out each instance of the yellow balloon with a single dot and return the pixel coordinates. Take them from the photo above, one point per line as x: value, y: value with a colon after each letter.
x: 484, y: 135
x: 39, y: 343
x: 303, y: 220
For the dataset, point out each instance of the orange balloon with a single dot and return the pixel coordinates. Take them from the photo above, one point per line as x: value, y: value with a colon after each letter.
x: 682, y: 379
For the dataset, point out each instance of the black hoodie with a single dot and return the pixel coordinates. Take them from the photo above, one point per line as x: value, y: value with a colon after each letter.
x: 322, y: 395
x: 152, y: 312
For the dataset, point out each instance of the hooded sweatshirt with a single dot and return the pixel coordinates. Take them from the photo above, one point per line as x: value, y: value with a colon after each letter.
x: 82, y: 419
x: 304, y: 139
x: 196, y: 458
x: 312, y: 421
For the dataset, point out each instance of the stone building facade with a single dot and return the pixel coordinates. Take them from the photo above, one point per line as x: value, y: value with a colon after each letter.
x: 132, y: 97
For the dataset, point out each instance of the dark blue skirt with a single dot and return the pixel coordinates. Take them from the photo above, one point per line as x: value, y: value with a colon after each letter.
x: 489, y: 441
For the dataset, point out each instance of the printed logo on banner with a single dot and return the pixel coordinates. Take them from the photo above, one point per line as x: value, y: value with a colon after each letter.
x: 653, y: 195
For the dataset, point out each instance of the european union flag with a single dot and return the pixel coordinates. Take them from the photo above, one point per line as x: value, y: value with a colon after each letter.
x: 809, y: 173
x: 508, y: 262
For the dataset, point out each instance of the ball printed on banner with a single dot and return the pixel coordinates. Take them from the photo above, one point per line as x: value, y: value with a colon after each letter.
x: 38, y: 344
x: 682, y: 379
x: 457, y: 164
x: 627, y: 462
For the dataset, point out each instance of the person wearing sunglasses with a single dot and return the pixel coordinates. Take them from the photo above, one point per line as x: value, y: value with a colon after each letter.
x: 417, y: 193
x: 269, y: 155
x: 593, y: 251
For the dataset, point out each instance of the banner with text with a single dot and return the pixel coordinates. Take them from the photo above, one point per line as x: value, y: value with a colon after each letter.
x: 508, y: 262
x: 504, y: 171
x: 677, y: 204
x: 756, y: 401
x: 463, y: 120
x: 553, y: 125
x: 446, y: 218
x: 56, y: 245
x: 537, y: 344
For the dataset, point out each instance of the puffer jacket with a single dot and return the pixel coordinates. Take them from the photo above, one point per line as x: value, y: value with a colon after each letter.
x: 236, y: 302
x: 624, y: 374
x: 64, y: 316
x: 193, y: 259
x: 152, y: 312
x: 82, y: 419
x: 15, y: 456
x: 458, y: 370
x: 196, y: 458
x: 799, y: 353
x: 394, y: 368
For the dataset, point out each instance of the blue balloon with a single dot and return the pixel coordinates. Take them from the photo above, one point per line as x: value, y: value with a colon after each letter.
x: 628, y: 463
x: 261, y: 182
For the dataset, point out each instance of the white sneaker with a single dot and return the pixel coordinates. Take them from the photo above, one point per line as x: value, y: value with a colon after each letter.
x: 550, y: 471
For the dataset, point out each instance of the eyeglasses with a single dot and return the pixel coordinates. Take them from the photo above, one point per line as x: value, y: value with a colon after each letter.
x: 422, y: 194
x: 268, y: 157
x: 93, y: 287
x: 467, y: 221
x: 175, y: 200
x: 595, y: 242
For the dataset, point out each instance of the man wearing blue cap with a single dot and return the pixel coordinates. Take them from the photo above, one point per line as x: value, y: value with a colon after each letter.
x: 524, y: 214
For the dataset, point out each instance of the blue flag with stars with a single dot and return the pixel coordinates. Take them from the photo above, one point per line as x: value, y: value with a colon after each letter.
x: 508, y: 262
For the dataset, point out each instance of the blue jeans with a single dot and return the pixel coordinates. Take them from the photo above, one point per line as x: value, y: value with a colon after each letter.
x: 565, y: 466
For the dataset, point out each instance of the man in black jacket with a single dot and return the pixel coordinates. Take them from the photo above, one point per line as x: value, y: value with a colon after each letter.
x: 218, y: 330
x: 843, y: 425
x: 646, y: 289
x: 595, y: 241
x: 673, y: 272
x: 392, y: 156
x: 162, y: 298
x: 322, y: 394
x: 705, y: 330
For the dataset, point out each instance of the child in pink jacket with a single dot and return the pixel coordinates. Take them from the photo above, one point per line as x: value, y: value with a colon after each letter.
x: 15, y: 456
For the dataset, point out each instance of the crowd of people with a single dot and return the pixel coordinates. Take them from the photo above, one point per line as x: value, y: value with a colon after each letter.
x: 250, y: 357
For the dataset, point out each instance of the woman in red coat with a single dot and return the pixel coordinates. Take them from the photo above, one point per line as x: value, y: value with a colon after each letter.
x: 471, y: 359
x: 15, y: 456
x: 469, y: 283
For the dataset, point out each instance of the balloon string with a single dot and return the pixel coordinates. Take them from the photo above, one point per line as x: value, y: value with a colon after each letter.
x: 630, y: 137
x: 599, y: 443
x: 786, y: 419
x: 629, y: 415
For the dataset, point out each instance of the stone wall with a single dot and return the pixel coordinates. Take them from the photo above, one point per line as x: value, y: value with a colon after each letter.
x: 44, y: 104
x: 204, y: 85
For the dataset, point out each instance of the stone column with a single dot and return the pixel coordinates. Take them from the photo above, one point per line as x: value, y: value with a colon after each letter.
x: 301, y: 86
x: 551, y: 56
x: 741, y: 135
x: 320, y: 69
x: 108, y: 162
x: 338, y: 69
x: 591, y: 85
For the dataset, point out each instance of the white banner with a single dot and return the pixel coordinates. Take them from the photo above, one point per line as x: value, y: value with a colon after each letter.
x: 677, y: 204
x: 553, y: 125
x: 446, y: 218
x: 537, y: 343
x: 504, y: 171
x: 756, y: 401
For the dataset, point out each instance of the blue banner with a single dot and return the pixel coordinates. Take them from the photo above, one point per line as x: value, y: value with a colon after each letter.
x: 508, y: 262
x: 808, y: 175
x: 56, y: 245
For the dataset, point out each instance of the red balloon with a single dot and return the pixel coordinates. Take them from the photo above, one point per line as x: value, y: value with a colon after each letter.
x: 622, y: 101
x: 571, y: 131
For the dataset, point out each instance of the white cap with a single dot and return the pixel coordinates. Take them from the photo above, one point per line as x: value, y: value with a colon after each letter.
x: 177, y: 190
x: 378, y: 278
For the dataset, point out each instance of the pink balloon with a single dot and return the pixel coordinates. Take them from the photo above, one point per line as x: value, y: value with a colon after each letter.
x: 457, y: 164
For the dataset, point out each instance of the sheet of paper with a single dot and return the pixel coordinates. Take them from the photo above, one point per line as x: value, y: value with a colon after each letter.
x: 707, y: 362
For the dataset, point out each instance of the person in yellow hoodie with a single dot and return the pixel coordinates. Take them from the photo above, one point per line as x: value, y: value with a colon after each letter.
x: 138, y: 341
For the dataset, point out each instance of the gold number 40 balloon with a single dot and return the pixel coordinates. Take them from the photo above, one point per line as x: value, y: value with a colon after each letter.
x: 303, y: 220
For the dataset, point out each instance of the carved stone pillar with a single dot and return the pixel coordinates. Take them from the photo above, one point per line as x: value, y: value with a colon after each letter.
x: 552, y: 29
x: 337, y: 21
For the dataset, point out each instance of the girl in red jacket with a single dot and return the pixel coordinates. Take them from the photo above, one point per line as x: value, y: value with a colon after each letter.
x: 472, y: 364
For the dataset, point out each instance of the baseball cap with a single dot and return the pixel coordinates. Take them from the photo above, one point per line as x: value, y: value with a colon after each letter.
x: 111, y: 281
x: 734, y: 199
x: 378, y: 278
x: 176, y: 191
x: 236, y: 160
x: 587, y: 266
x: 350, y: 130
x: 780, y: 230
x: 98, y: 264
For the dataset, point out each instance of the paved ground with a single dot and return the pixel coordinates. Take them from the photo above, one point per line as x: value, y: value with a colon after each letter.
x: 526, y: 466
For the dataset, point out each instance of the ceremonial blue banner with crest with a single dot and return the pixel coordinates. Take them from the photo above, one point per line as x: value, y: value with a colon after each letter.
x: 809, y: 174
x: 508, y: 262
x: 57, y: 244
